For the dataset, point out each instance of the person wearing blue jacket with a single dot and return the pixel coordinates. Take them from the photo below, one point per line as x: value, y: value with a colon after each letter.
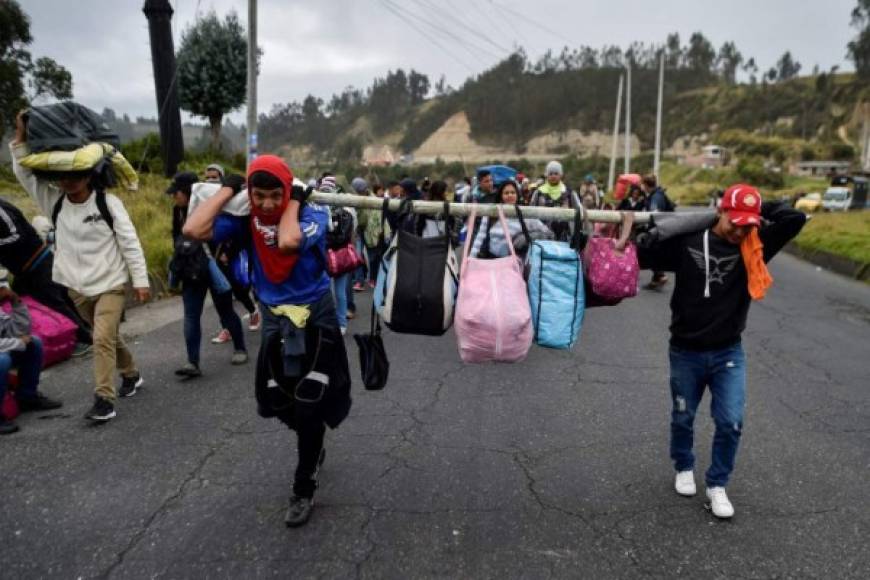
x: 302, y: 375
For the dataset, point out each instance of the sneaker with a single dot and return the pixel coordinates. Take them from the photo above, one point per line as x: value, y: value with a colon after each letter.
x: 129, y: 385
x: 717, y: 502
x: 82, y: 349
x: 222, y: 337
x: 351, y: 314
x: 38, y: 403
x: 103, y: 410
x: 189, y: 371
x: 685, y: 483
x: 254, y: 321
x: 343, y: 330
x: 240, y: 357
x: 7, y: 426
x: 299, y: 511
x: 358, y: 287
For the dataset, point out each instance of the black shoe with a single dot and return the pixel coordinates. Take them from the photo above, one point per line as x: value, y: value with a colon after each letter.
x: 299, y: 511
x: 38, y: 403
x: 189, y: 371
x: 103, y: 410
x: 129, y: 385
x: 7, y: 427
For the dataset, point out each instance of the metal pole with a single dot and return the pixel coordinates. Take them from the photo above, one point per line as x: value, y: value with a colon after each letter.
x: 483, y: 209
x: 611, y: 177
x: 252, y: 81
x: 658, y: 153
x: 628, y: 119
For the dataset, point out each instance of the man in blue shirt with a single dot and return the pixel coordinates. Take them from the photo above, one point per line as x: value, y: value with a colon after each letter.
x: 302, y: 371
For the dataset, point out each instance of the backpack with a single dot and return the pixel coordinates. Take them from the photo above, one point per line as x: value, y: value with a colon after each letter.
x: 66, y: 126
x: 190, y: 262
x: 556, y: 294
x: 342, y: 229
x: 417, y: 282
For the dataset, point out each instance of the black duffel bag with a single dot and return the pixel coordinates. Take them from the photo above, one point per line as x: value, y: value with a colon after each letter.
x: 66, y: 126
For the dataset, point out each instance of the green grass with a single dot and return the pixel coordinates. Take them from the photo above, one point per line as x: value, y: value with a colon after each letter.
x: 843, y: 234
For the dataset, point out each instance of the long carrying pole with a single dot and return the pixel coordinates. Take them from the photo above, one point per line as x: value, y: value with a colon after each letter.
x: 482, y: 209
x: 611, y: 177
x: 658, y: 154
x: 252, y: 81
x: 628, y: 118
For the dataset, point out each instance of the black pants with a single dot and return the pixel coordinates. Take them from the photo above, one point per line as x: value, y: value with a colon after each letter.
x: 310, y: 432
x: 38, y: 284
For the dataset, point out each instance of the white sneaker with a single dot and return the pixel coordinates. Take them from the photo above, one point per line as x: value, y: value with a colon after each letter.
x: 718, y: 502
x: 685, y: 483
x: 343, y: 330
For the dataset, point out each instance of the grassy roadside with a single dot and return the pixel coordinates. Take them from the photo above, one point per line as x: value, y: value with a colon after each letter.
x: 843, y: 234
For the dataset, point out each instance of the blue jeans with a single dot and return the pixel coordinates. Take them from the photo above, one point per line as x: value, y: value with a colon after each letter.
x: 724, y: 371
x: 340, y: 286
x: 193, y: 296
x: 359, y: 275
x: 29, y: 365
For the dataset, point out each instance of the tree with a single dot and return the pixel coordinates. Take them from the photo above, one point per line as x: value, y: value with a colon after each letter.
x: 729, y: 61
x: 418, y: 86
x: 212, y: 70
x: 673, y: 51
x: 17, y: 69
x: 786, y: 67
x: 859, y: 48
x: 700, y: 55
x: 751, y: 69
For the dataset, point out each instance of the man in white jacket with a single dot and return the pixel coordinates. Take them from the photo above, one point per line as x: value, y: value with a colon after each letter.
x: 94, y: 260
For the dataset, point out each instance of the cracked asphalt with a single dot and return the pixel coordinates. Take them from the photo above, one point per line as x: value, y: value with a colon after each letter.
x: 553, y: 468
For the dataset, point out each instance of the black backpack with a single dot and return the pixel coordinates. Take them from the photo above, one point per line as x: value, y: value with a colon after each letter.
x: 342, y: 231
x: 66, y: 126
x: 189, y: 261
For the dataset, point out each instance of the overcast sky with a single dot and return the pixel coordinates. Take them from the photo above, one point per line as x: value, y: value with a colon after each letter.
x: 320, y: 47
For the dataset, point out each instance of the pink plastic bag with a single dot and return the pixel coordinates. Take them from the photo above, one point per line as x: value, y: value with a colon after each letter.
x: 9, y: 406
x: 611, y: 264
x: 56, y: 331
x: 493, y: 320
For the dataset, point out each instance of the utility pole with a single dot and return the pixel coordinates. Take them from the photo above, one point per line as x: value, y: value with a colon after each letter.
x: 159, y: 15
x: 252, y: 81
x: 658, y: 153
x: 628, y: 118
x: 611, y: 177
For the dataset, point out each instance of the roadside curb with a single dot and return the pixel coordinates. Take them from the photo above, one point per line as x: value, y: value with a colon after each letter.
x: 843, y: 266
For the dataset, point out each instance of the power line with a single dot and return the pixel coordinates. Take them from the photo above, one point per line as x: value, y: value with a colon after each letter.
x: 459, y: 22
x: 543, y: 27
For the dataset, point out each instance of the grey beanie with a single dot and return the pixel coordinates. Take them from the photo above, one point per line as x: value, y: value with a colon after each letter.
x: 216, y: 167
x: 554, y: 167
x: 359, y: 185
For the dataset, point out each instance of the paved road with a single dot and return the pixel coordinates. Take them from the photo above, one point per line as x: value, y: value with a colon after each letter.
x: 556, y: 467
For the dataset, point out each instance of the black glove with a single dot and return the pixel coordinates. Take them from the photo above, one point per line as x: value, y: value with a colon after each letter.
x: 300, y: 194
x: 234, y: 181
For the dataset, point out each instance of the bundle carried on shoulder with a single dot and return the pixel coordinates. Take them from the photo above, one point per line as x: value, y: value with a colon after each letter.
x: 82, y: 159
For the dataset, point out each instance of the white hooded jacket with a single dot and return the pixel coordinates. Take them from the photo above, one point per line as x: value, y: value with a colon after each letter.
x: 89, y: 257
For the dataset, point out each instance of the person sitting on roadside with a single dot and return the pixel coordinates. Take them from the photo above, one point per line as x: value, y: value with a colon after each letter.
x: 22, y: 351
x: 302, y: 369
x: 555, y: 193
x: 194, y: 290
x: 719, y: 272
x: 94, y: 259
x: 489, y: 240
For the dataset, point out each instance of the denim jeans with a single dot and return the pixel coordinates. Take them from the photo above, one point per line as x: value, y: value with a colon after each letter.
x: 359, y: 275
x: 193, y: 296
x: 29, y: 365
x: 340, y: 287
x: 724, y: 371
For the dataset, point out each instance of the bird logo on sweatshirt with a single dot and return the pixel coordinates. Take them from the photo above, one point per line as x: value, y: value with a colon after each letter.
x: 719, y: 267
x: 92, y: 219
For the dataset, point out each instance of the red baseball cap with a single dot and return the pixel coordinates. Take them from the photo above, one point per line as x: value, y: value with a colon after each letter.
x: 743, y: 204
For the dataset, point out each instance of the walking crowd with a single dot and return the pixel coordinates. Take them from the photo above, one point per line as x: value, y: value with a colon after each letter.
x: 298, y: 268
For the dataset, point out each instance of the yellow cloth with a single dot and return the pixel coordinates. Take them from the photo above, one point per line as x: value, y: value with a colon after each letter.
x: 756, y: 270
x: 82, y: 159
x: 298, y: 315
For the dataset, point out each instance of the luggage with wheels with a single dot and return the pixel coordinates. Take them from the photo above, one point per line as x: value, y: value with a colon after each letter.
x: 56, y: 331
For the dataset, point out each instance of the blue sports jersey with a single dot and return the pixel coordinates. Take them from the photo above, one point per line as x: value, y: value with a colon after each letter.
x: 308, y: 281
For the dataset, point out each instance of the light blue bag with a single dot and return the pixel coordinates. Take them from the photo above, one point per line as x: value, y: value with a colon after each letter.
x: 555, y: 279
x: 219, y: 282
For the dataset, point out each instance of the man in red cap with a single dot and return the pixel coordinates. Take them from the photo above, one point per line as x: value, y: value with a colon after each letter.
x: 719, y: 271
x: 302, y: 371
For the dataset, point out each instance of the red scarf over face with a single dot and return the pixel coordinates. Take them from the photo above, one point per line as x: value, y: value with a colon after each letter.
x: 264, y: 228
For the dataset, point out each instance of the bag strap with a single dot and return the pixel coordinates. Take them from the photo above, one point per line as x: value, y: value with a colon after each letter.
x: 524, y: 227
x: 625, y: 231
x: 507, y: 232
x: 579, y: 237
x: 469, y: 228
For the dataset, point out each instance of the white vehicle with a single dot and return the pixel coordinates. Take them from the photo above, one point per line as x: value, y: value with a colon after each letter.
x: 837, y: 199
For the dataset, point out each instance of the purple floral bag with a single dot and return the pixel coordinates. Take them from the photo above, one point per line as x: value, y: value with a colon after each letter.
x: 611, y: 264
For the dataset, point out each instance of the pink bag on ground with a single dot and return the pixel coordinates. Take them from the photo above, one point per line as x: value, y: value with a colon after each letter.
x: 56, y: 331
x: 611, y: 264
x: 493, y: 320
